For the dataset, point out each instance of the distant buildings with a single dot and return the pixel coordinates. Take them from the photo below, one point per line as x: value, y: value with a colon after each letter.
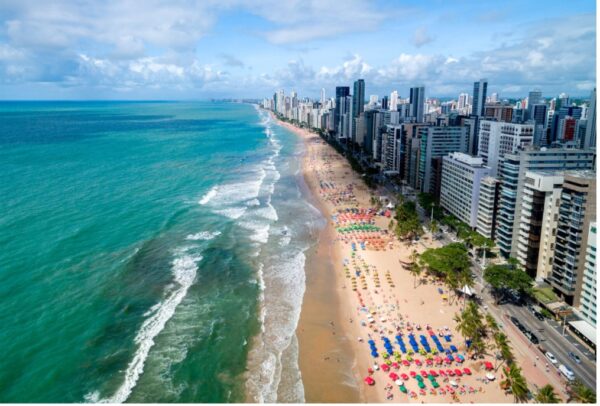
x: 462, y: 176
x: 521, y: 174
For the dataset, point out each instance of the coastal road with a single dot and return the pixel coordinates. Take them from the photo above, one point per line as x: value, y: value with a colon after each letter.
x: 552, y: 340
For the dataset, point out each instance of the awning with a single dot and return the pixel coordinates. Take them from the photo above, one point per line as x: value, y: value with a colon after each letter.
x: 586, y: 329
x: 467, y: 290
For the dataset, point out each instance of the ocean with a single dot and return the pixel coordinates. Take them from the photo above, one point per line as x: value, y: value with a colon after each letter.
x: 150, y: 252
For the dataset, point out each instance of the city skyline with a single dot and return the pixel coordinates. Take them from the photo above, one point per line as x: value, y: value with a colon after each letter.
x: 196, y: 50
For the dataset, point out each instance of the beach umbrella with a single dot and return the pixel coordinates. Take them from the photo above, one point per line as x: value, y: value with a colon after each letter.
x: 369, y: 381
x: 458, y: 372
x: 467, y: 371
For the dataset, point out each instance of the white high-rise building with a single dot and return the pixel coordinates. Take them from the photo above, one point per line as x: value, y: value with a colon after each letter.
x: 587, y: 302
x: 488, y: 205
x: 322, y: 96
x: 463, y: 101
x: 461, y: 179
x: 394, y: 101
x: 498, y: 138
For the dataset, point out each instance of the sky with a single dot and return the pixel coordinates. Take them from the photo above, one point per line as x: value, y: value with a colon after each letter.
x: 198, y: 49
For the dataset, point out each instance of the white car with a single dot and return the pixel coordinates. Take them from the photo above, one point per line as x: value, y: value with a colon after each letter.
x: 566, y: 371
x: 551, y: 357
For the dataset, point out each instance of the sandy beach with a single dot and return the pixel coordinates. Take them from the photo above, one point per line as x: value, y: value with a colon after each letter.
x: 358, y: 291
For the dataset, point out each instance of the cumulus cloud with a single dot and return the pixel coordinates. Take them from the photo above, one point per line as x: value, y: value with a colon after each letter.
x: 120, y: 44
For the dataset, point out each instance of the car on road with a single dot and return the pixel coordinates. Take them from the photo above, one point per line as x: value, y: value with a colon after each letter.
x: 566, y: 371
x: 551, y: 357
x: 516, y: 322
x: 532, y: 337
x: 575, y: 357
x: 538, y: 315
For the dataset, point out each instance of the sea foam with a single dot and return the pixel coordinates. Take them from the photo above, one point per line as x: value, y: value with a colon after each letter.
x: 184, y: 270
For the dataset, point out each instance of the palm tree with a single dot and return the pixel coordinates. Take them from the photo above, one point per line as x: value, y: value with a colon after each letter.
x: 491, y: 323
x: 581, y: 393
x: 415, y: 268
x: 503, y: 346
x: 516, y: 382
x: 546, y: 394
x: 433, y: 226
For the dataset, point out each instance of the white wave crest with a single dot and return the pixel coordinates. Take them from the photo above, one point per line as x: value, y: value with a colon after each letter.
x: 209, y: 195
x: 184, y: 270
x: 203, y: 236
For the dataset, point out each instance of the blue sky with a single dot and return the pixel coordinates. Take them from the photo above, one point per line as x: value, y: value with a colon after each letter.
x: 194, y: 49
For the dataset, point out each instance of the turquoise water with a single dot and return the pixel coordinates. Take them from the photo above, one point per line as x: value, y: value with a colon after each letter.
x: 151, y: 252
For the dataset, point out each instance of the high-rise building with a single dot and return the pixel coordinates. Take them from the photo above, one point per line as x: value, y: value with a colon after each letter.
x: 461, y: 180
x: 463, y: 103
x: 540, y: 190
x: 435, y: 143
x: 539, y: 113
x: 393, y: 103
x: 384, y: 102
x: 535, y: 97
x: 577, y: 210
x: 341, y: 92
x: 479, y: 97
x: 392, y: 137
x: 498, y: 138
x: 323, y: 97
x: 358, y: 98
x: 417, y: 103
x: 512, y: 171
x: 488, y: 206
x: 499, y: 112
x: 558, y: 121
x: 589, y: 139
x: 587, y: 301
